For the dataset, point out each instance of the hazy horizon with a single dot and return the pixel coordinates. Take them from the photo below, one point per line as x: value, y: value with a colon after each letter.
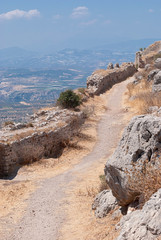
x: 44, y: 25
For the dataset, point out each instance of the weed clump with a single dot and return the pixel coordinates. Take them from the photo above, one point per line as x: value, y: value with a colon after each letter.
x: 146, y: 181
x: 69, y: 99
x: 103, y: 184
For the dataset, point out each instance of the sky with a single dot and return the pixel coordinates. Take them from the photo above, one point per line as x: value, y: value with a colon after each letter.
x: 49, y: 25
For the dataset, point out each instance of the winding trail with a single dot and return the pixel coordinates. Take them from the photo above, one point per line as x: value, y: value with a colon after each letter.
x: 45, y: 212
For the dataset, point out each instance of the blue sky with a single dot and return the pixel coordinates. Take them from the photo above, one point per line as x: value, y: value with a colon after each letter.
x: 57, y: 24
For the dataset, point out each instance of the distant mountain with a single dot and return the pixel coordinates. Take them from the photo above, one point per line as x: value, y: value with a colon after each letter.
x: 64, y: 59
x: 73, y: 58
x: 16, y: 52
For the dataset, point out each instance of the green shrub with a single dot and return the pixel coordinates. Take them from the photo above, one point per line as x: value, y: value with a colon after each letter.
x: 69, y: 99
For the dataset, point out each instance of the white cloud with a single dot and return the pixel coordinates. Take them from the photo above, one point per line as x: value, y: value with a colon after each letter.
x: 89, y: 22
x: 19, y: 14
x: 80, y: 12
x: 151, y: 10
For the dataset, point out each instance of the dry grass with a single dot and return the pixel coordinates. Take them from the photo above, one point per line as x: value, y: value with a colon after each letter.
x: 103, y: 184
x: 11, y: 195
x: 145, y: 181
x: 143, y: 98
x: 85, y: 226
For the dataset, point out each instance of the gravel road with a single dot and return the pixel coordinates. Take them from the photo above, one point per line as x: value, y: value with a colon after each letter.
x: 45, y: 212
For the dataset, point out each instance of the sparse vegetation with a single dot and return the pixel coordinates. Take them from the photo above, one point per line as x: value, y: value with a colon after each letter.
x: 8, y: 123
x: 82, y: 90
x: 88, y: 111
x: 158, y: 55
x: 141, y: 96
x: 69, y: 99
x: 103, y: 183
x: 146, y: 181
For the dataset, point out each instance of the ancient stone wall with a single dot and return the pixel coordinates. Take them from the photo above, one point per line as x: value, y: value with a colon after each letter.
x: 40, y: 144
x: 100, y: 81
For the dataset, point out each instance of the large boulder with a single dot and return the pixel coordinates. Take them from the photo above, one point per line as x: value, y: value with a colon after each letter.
x: 140, y: 142
x: 157, y: 82
x: 104, y: 203
x: 157, y: 63
x: 143, y: 224
x: 152, y: 74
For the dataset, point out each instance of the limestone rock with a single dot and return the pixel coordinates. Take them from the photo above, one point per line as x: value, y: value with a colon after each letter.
x: 116, y: 65
x: 152, y: 74
x: 138, y: 76
x: 147, y: 66
x: 139, y: 61
x: 157, y: 63
x: 110, y: 66
x: 104, y: 203
x: 143, y: 224
x: 141, y: 141
x: 157, y: 82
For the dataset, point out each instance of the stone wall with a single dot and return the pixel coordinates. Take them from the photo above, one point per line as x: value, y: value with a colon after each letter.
x: 43, y: 142
x: 102, y: 80
x: 139, y: 63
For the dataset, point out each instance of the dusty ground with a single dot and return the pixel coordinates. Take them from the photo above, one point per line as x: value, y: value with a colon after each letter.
x: 56, y: 194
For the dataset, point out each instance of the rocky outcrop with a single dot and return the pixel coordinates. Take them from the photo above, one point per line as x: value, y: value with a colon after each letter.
x: 139, y: 63
x: 155, y: 48
x: 116, y: 65
x: 101, y: 81
x: 104, y: 203
x: 143, y: 224
x: 156, y: 87
x: 110, y: 66
x: 140, y: 142
x: 152, y: 74
x: 157, y: 63
x: 44, y: 136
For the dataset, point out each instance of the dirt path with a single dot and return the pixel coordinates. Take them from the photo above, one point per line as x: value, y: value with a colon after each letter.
x: 45, y: 213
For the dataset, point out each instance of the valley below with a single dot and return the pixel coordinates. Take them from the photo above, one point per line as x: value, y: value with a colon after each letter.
x: 30, y: 81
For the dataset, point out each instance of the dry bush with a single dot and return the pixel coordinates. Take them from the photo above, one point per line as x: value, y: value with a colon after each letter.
x: 88, y: 111
x: 89, y: 191
x: 143, y: 98
x: 8, y: 123
x: 103, y: 184
x: 145, y: 181
x: 158, y: 55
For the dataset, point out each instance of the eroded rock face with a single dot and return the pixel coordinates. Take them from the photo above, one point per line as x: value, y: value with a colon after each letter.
x: 140, y: 142
x: 143, y: 224
x: 104, y: 203
x: 100, y: 82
